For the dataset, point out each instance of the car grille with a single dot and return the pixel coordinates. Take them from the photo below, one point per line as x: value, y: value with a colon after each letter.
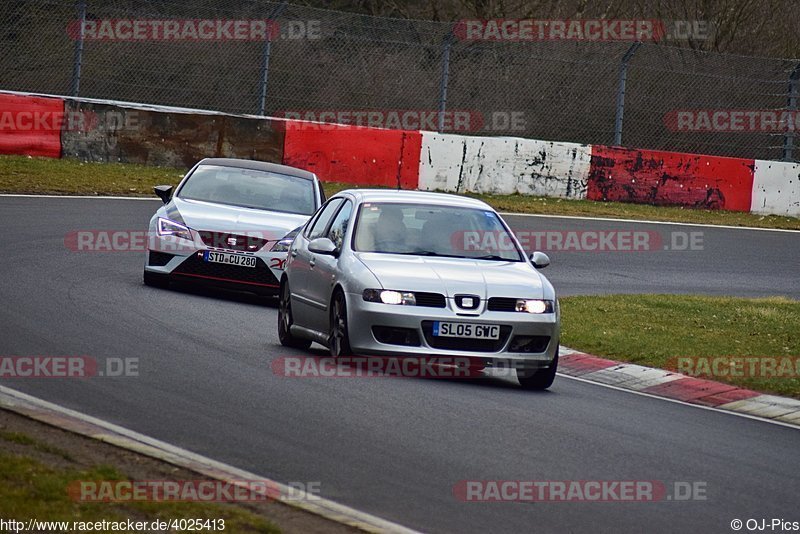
x: 244, y: 243
x: 504, y: 304
x: 430, y: 300
x: 472, y: 345
x: 260, y: 275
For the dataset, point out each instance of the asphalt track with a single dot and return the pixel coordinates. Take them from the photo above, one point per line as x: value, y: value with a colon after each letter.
x: 396, y: 447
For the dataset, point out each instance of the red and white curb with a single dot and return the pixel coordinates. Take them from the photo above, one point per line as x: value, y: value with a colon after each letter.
x: 676, y: 386
x: 85, y: 425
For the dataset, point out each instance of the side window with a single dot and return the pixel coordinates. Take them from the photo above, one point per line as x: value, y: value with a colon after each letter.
x: 317, y: 228
x: 339, y: 225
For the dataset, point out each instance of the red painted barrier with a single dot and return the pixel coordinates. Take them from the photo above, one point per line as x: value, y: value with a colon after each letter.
x: 664, y: 178
x: 31, y: 125
x: 355, y: 155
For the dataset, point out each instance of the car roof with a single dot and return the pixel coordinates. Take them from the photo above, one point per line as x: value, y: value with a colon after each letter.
x: 258, y: 166
x: 406, y: 196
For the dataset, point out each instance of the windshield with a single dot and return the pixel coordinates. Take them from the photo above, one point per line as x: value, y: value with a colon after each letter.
x: 430, y: 230
x: 250, y: 189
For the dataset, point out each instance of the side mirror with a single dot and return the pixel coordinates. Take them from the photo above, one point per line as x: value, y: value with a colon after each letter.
x: 540, y: 260
x: 164, y: 192
x: 322, y: 245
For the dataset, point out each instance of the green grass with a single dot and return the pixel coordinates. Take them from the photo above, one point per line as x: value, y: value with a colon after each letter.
x: 23, y: 439
x: 21, y: 174
x: 653, y: 330
x: 30, y: 488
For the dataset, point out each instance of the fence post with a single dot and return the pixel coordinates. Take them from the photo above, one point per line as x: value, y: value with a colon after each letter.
x: 275, y: 13
x: 77, y: 58
x: 447, y: 43
x: 791, y: 106
x: 623, y: 78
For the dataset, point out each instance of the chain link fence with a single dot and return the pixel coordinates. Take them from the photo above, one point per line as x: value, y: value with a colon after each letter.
x: 323, y: 64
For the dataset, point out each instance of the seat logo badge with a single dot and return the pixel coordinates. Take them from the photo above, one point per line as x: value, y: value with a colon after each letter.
x: 467, y: 302
x: 232, y: 241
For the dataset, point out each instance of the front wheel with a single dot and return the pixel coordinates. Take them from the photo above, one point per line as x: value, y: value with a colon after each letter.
x: 339, y: 339
x: 285, y: 321
x: 538, y: 379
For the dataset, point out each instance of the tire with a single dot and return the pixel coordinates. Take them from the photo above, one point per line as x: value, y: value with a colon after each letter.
x: 285, y: 321
x: 338, y: 338
x: 155, y: 279
x: 538, y: 379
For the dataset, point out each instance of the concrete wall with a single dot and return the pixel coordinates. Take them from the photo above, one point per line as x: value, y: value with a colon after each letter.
x: 776, y: 188
x: 30, y: 125
x: 98, y: 130
x: 356, y: 155
x: 670, y: 178
x: 503, y: 165
x: 118, y: 133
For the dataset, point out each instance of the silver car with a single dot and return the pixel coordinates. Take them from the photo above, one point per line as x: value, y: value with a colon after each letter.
x: 230, y: 224
x: 410, y: 273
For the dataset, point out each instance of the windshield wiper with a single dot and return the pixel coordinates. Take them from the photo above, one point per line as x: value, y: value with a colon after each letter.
x: 491, y: 257
x: 428, y: 253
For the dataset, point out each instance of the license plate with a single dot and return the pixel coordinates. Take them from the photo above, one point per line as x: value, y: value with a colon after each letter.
x: 466, y: 330
x: 229, y: 259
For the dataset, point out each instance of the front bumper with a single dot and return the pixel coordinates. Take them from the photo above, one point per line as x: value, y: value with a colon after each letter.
x: 182, y: 260
x: 393, y: 330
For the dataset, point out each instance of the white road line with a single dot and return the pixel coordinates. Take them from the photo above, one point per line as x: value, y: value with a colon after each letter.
x: 578, y: 217
x: 12, y: 195
x: 645, y: 221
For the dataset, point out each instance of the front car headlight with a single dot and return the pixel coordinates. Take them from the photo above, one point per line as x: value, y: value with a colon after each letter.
x: 388, y: 296
x: 167, y: 227
x: 534, y: 306
x: 282, y: 245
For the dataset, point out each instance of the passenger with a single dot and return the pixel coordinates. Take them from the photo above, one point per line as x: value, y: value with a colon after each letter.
x: 390, y: 230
